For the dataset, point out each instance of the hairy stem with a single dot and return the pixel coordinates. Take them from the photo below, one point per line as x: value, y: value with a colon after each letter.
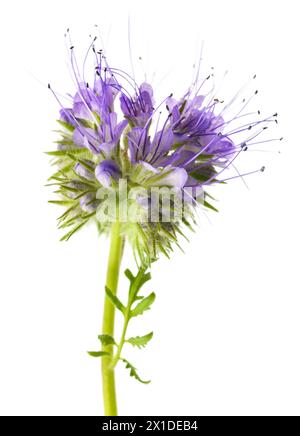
x: 112, y: 278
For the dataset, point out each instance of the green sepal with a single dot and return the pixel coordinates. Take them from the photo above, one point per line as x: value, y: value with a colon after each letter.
x: 67, y: 126
x: 68, y: 235
x: 209, y: 206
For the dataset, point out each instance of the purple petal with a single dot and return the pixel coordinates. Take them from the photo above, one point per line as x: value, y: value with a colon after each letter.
x: 107, y: 170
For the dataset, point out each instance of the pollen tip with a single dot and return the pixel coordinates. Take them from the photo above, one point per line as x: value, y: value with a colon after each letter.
x: 275, y: 115
x: 256, y: 92
x: 72, y: 46
x: 262, y: 169
x: 281, y: 139
x: 208, y: 77
x: 49, y: 86
x: 254, y: 77
x: 258, y: 112
x: 171, y: 95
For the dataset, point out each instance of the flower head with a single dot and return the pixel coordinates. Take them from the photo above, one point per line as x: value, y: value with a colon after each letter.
x: 112, y: 133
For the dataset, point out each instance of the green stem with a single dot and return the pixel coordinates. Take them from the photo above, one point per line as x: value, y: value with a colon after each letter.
x: 112, y: 278
x: 122, y: 342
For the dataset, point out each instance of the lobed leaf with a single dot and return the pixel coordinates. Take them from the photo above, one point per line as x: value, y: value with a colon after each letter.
x: 140, y: 341
x: 143, y: 305
x: 133, y: 372
x: 114, y: 299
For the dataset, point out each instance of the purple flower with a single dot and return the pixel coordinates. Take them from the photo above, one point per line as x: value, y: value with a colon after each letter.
x: 84, y: 170
x: 138, y: 109
x: 88, y: 202
x: 186, y: 147
x: 106, y: 171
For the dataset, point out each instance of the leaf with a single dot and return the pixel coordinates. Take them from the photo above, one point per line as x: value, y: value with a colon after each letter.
x: 129, y: 275
x: 98, y: 353
x: 133, y: 372
x: 114, y: 299
x: 143, y: 305
x: 140, y: 341
x: 107, y: 340
x: 136, y: 282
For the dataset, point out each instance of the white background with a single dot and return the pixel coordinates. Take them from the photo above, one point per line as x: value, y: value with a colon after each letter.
x: 226, y: 318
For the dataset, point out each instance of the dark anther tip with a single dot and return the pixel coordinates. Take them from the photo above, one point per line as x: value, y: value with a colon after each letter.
x: 72, y: 46
x: 49, y: 87
x: 256, y: 92
x: 262, y: 169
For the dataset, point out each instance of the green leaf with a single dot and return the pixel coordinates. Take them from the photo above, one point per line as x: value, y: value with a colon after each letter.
x: 129, y: 275
x: 107, y: 340
x: 143, y: 305
x: 136, y: 282
x: 114, y: 299
x: 98, y: 353
x: 140, y: 341
x: 133, y: 372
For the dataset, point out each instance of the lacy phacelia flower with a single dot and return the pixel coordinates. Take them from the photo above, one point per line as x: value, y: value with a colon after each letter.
x: 110, y: 136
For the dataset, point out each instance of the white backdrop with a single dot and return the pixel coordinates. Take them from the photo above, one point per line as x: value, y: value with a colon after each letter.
x: 226, y: 319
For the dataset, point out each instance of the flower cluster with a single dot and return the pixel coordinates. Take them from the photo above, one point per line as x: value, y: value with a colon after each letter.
x: 111, y: 133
